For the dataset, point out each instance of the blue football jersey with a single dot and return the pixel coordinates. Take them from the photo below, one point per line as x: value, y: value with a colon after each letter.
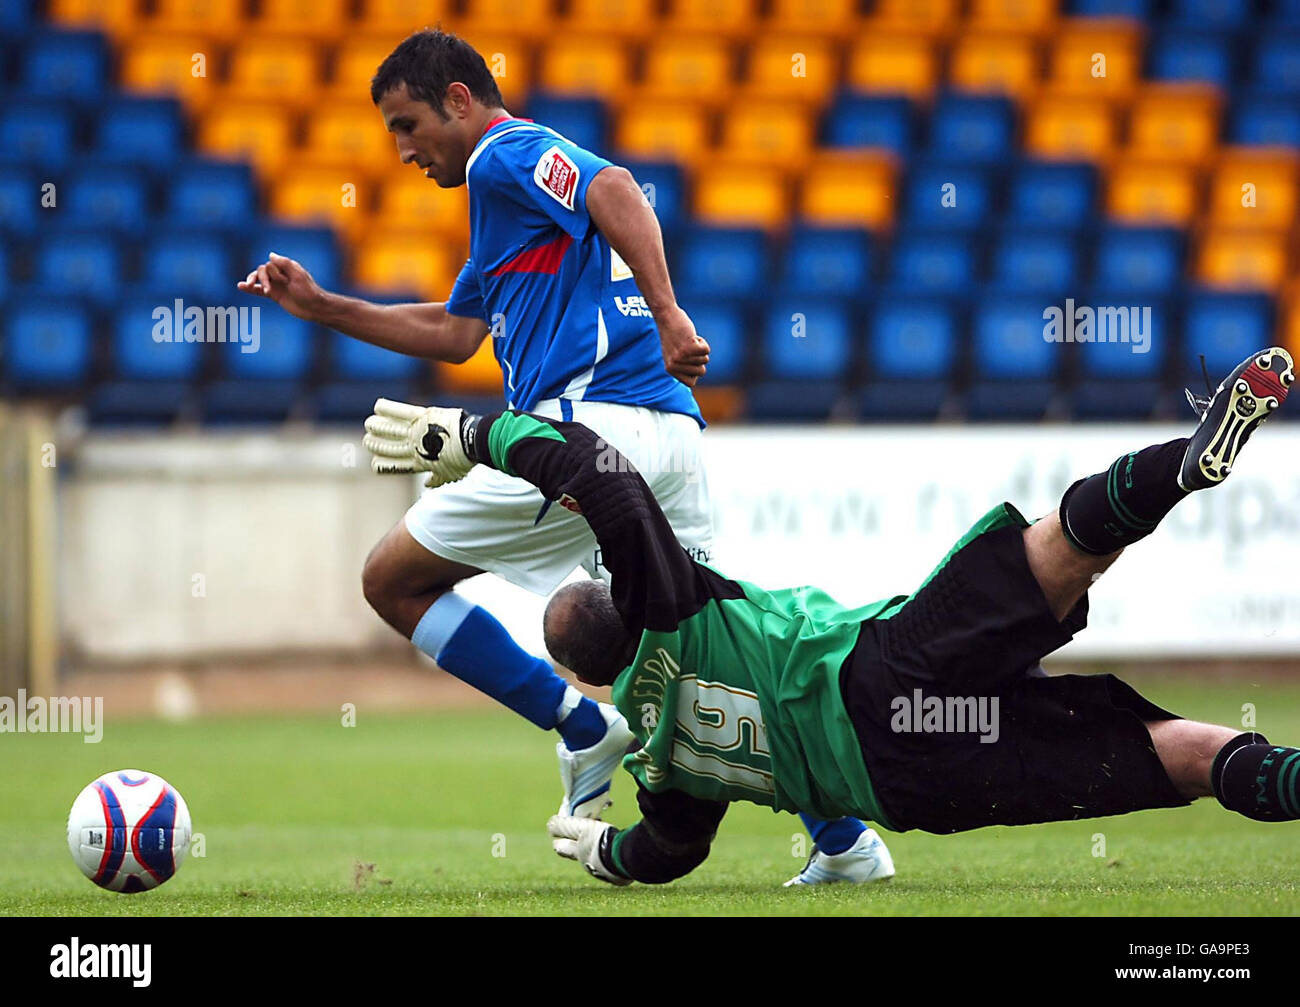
x: 565, y: 315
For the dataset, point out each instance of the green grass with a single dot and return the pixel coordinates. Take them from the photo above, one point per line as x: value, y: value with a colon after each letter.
x: 289, y: 807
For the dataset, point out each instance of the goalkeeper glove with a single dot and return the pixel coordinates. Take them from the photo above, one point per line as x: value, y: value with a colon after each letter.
x: 588, y: 841
x: 405, y: 438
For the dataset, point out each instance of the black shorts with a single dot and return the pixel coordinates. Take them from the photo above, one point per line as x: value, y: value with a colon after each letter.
x: 957, y: 730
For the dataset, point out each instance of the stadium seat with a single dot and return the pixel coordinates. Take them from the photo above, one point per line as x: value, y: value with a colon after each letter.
x: 328, y: 197
x: 410, y: 200
x: 1254, y: 188
x: 47, y: 345
x: 212, y: 194
x: 1030, y: 261
x: 1124, y: 324
x: 996, y: 64
x: 972, y: 128
x: 911, y: 356
x: 719, y: 18
x: 1226, y: 327
x: 799, y: 68
x: 284, y: 345
x: 253, y: 130
x: 1069, y: 128
x: 142, y: 130
x: 1276, y: 63
x: 274, y: 70
x: 726, y: 327
x: 1031, y: 17
x: 585, y: 121
x: 585, y: 64
x: 316, y: 248
x: 1179, y: 123
x: 767, y: 134
x: 1242, y: 260
x: 1191, y: 55
x: 165, y: 65
x: 807, y: 339
x: 929, y: 17
x: 665, y: 190
x: 893, y: 64
x: 81, y: 263
x: 848, y: 190
x: 716, y: 262
x: 480, y: 375
x: 861, y: 120
x: 391, y: 261
x: 320, y: 20
x: 218, y: 19
x: 70, y: 64
x: 1014, y: 365
x: 926, y: 262
x: 19, y: 212
x: 1137, y: 10
x: 630, y: 19
x: 836, y: 18
x: 397, y: 18
x: 250, y: 403
x: 508, y: 55
x: 695, y: 68
x: 352, y: 360
x: 827, y: 262
x: 948, y: 194
x: 1138, y: 260
x: 1220, y: 13
x: 114, y: 199
x: 190, y: 261
x: 139, y: 403
x: 119, y: 18
x: 36, y: 136
x: 1151, y: 192
x: 350, y: 402
x: 531, y: 20
x: 792, y: 401
x: 1056, y: 195
x: 357, y: 57
x: 1265, y: 121
x: 674, y: 131
x: 1075, y: 64
x: 350, y: 135
x: 139, y: 356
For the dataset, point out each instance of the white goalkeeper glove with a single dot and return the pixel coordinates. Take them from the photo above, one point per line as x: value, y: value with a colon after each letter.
x: 405, y: 438
x: 583, y: 839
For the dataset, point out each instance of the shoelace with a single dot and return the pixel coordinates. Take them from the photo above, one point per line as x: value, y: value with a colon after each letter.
x: 1201, y: 403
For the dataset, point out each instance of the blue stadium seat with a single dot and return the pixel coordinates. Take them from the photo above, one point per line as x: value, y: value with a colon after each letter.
x: 1139, y: 10
x: 147, y: 130
x: 281, y: 347
x: 948, y: 194
x: 40, y: 135
x: 250, y: 402
x: 721, y: 262
x: 791, y: 401
x: 1225, y: 327
x: 81, y: 263
x: 72, y: 64
x: 189, y: 262
x: 145, y: 345
x: 808, y: 340
x: 1014, y: 366
x: 939, y: 262
x: 350, y: 402
x: 1277, y: 63
x: 16, y: 15
x: 139, y: 403
x: 113, y: 198
x: 726, y: 327
x: 585, y: 121
x: 972, y: 128
x: 1286, y: 13
x: 1036, y: 261
x: 1219, y: 13
x: 213, y: 194
x: 859, y: 120
x: 316, y: 248
x: 48, y: 341
x: 1264, y: 120
x: 6, y: 280
x: 353, y: 360
x: 911, y: 338
x: 1045, y: 194
x: 1145, y: 322
x: 831, y: 261
x: 1191, y: 55
x: 1138, y: 259
x: 665, y: 188
x: 20, y: 207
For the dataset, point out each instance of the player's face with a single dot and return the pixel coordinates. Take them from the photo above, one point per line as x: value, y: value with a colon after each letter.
x: 439, y: 146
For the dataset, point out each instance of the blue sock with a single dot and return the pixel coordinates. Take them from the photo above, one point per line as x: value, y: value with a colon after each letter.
x: 469, y: 643
x: 833, y: 837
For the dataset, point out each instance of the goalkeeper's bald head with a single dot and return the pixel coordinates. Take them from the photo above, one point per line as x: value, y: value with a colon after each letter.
x: 584, y: 632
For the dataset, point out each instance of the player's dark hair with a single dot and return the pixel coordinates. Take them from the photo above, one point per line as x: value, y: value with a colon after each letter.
x: 584, y: 632
x: 429, y: 62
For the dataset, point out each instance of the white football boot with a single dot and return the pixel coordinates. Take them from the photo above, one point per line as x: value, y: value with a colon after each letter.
x: 586, y: 773
x: 867, y: 859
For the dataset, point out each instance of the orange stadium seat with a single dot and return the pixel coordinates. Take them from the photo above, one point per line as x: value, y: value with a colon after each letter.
x: 742, y: 192
x: 994, y: 64
x: 1242, y: 260
x: 397, y: 261
x: 628, y: 19
x: 117, y: 17
x: 854, y: 190
x: 1290, y: 326
x: 222, y: 19
x: 669, y: 129
x: 1151, y: 192
x: 590, y: 64
x: 1254, y: 188
x: 891, y: 63
x: 694, y: 68
x: 767, y: 132
x: 410, y: 201
x: 479, y: 375
x: 534, y: 19
x: 1065, y: 127
x: 167, y: 64
x: 799, y: 68
x: 719, y: 403
x: 930, y: 17
x: 316, y: 19
x: 275, y: 70
x: 1174, y: 121
x: 836, y: 18
x: 350, y: 134
x: 1096, y: 57
x: 716, y: 18
x: 355, y: 61
x: 314, y: 195
x: 1028, y: 16
x: 256, y: 130
x: 399, y: 18
x: 509, y: 58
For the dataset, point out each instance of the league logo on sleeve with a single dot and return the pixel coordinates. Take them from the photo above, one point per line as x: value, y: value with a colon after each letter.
x: 557, y: 176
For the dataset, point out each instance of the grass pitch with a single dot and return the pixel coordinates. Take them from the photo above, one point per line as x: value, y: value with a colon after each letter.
x: 444, y: 813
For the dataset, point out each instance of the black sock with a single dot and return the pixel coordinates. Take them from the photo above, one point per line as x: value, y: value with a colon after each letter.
x: 1258, y: 780
x: 1106, y: 512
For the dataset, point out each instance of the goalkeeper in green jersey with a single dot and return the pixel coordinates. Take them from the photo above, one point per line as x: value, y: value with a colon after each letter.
x: 923, y: 711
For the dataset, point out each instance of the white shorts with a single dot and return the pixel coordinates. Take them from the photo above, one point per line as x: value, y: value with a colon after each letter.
x: 502, y: 524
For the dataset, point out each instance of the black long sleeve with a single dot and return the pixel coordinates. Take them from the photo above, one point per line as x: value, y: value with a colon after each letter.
x: 671, y: 840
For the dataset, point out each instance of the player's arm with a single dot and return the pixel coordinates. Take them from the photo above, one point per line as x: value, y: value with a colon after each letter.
x: 417, y: 330
x: 620, y: 211
x: 671, y: 840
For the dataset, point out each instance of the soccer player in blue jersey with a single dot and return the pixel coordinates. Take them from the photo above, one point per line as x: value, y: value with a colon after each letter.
x: 567, y: 276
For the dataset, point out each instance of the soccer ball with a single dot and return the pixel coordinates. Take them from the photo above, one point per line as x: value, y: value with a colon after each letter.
x: 128, y: 831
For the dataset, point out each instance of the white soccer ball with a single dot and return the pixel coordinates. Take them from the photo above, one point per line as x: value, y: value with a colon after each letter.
x: 128, y: 831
